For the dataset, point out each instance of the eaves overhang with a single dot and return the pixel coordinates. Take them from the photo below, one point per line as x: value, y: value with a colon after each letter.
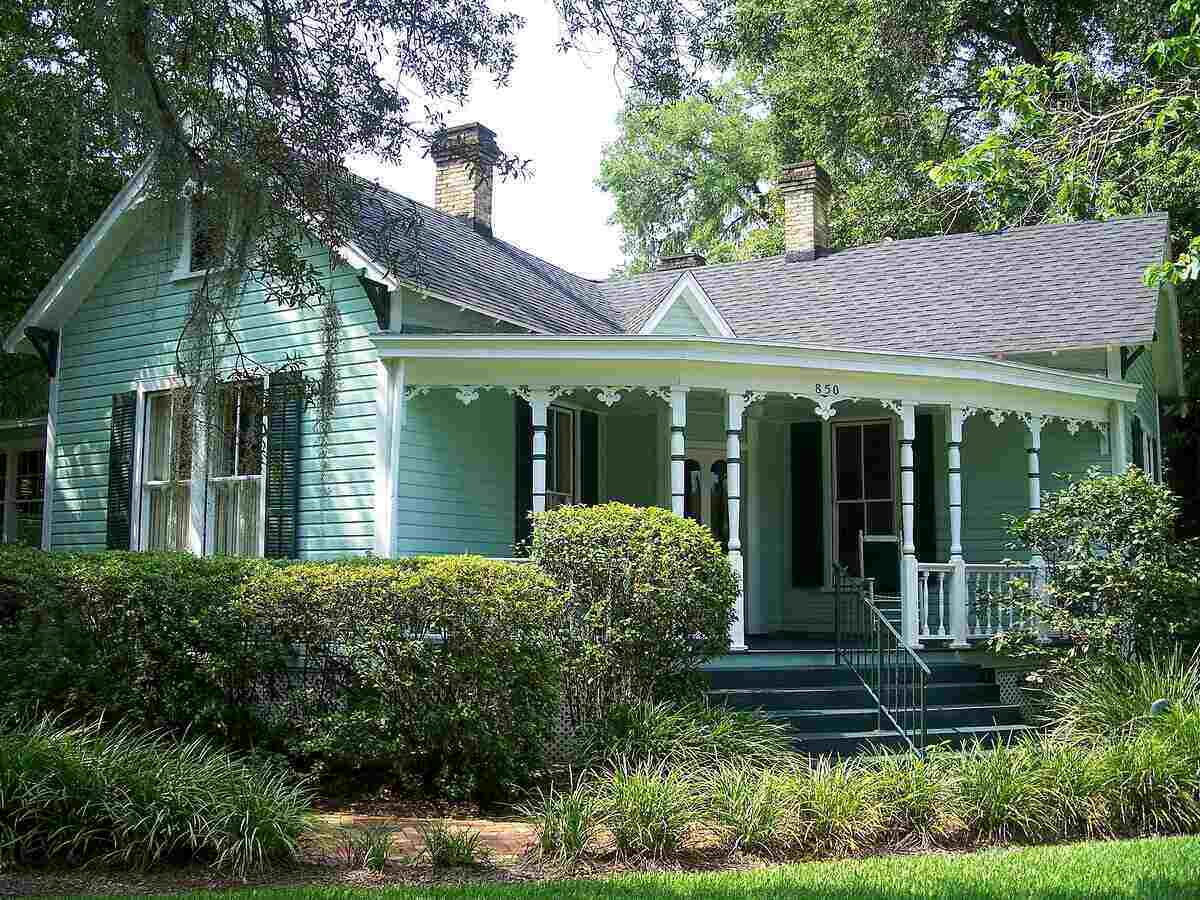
x: 749, y: 352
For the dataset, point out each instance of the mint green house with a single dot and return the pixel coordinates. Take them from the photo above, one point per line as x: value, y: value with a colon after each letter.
x: 880, y: 408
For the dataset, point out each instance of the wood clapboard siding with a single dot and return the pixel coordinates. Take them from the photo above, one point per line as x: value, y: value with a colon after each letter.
x: 455, y: 488
x: 680, y: 320
x: 1142, y: 373
x: 633, y: 458
x: 125, y: 332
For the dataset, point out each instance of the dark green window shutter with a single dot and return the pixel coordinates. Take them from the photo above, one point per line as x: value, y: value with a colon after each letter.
x: 926, y: 511
x: 1139, y: 449
x: 120, y: 471
x: 523, y: 501
x: 589, y: 457
x: 285, y: 407
x: 808, y: 518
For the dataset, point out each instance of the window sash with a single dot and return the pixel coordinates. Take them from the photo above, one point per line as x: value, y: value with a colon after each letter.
x: 562, y: 457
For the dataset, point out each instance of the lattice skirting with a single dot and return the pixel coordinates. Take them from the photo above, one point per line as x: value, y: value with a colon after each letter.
x: 1012, y: 683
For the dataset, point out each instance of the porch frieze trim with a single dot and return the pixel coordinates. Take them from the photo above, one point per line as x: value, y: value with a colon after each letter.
x: 824, y: 405
x: 1031, y: 419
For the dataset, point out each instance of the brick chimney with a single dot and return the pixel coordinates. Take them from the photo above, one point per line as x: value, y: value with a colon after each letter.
x: 462, y: 185
x: 681, y: 261
x: 806, y: 189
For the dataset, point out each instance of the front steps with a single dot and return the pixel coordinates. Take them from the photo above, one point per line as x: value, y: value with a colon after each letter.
x: 830, y: 712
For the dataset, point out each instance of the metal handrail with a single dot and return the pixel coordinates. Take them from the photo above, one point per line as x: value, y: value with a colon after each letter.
x: 895, y: 677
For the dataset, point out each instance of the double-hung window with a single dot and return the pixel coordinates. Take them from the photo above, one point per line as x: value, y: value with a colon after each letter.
x: 22, y: 494
x: 562, y: 457
x: 236, y: 495
x: 184, y: 509
x: 166, y: 501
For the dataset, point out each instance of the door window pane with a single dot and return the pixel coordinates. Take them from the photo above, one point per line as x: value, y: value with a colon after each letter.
x: 848, y: 454
x: 877, y: 461
x: 692, y: 495
x: 880, y: 518
x: 850, y: 523
x: 30, y: 493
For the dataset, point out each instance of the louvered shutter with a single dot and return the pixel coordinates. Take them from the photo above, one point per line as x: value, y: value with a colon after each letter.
x: 808, y: 505
x: 589, y: 458
x: 285, y: 407
x: 523, y: 477
x: 120, y: 471
x: 926, y: 496
x: 1138, y: 445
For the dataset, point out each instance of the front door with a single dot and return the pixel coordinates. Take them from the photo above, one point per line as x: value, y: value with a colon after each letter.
x: 705, y: 491
x: 864, y: 512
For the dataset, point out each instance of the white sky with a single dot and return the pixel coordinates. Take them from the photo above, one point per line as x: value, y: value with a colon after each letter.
x: 557, y: 110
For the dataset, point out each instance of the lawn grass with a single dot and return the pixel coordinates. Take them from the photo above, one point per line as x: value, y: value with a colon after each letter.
x: 1159, y: 868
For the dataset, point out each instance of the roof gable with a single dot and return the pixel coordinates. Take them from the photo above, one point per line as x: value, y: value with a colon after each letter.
x: 686, y: 310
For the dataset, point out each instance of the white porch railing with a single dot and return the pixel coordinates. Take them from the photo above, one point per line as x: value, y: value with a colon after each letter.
x: 973, y: 605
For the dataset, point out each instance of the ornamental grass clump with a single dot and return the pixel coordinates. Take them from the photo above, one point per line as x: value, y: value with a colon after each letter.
x: 649, y: 808
x: 1111, y: 697
x: 751, y: 808
x: 1150, y: 785
x: 121, y: 795
x: 695, y: 734
x: 567, y: 820
x: 1003, y: 792
x: 837, y: 807
x: 914, y: 797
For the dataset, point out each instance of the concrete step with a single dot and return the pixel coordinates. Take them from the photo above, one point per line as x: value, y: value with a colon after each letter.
x: 826, y: 721
x: 849, y: 696
x: 794, y: 677
x: 852, y: 743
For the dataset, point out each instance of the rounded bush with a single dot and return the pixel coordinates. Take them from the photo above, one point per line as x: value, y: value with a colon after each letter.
x: 650, y: 596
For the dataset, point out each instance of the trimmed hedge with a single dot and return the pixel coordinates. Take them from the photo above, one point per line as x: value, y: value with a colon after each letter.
x: 435, y: 675
x: 650, y: 596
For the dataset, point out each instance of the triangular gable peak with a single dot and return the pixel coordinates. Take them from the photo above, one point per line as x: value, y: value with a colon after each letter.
x: 686, y: 309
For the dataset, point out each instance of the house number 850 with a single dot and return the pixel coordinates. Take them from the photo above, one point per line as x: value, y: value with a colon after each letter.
x: 828, y: 390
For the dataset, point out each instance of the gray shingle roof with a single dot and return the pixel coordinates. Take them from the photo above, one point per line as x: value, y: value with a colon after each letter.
x: 1036, y: 288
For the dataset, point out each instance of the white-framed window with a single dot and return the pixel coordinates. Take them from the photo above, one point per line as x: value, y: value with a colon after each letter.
x: 236, y: 485
x: 184, y: 508
x: 562, y: 456
x: 22, y: 493
x: 166, y: 483
x: 206, y: 226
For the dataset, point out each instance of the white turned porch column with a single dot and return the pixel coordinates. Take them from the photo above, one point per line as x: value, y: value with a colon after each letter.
x: 908, y: 562
x: 539, y: 406
x: 736, y: 405
x: 678, y: 449
x: 1118, y: 436
x: 1033, y: 449
x: 958, y: 581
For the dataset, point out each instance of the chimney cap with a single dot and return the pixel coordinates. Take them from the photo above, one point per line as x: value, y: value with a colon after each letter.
x: 471, y: 141
x: 681, y: 261
x: 806, y: 175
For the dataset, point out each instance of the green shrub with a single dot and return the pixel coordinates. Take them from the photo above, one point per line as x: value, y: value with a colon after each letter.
x: 1118, y: 577
x: 680, y: 733
x: 650, y: 597
x: 134, y: 798
x: 451, y: 676
x: 437, y: 675
x: 751, y: 808
x: 648, y: 807
x: 1104, y: 697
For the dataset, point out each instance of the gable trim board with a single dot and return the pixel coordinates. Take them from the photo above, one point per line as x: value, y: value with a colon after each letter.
x: 687, y: 289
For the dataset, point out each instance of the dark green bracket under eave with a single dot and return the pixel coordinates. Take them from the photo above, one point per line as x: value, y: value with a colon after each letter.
x: 1129, y: 357
x: 45, y: 342
x: 381, y: 302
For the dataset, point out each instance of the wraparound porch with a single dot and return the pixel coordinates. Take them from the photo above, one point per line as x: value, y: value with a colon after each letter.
x: 796, y: 459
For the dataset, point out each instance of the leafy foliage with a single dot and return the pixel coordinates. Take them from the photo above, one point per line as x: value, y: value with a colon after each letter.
x: 450, y: 845
x: 135, y: 798
x: 1117, y: 576
x: 435, y: 675
x: 650, y: 596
